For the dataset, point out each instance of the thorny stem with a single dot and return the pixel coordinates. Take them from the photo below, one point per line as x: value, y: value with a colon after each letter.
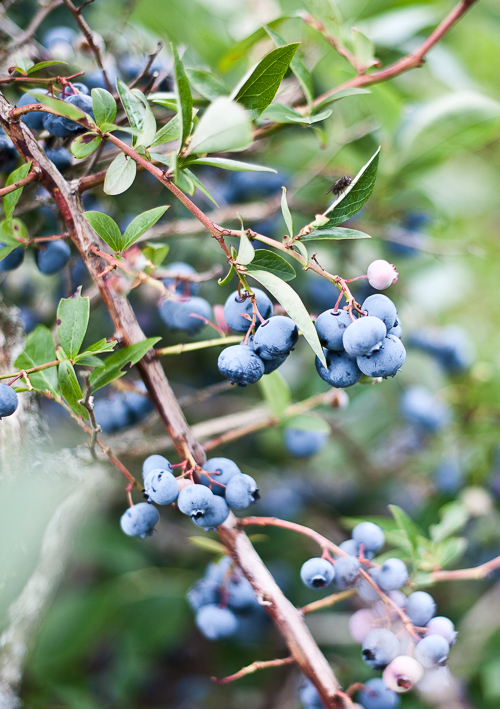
x: 254, y: 667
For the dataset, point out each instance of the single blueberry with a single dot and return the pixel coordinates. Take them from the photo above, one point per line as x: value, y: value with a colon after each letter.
x: 240, y: 365
x: 182, y: 314
x: 60, y: 157
x: 380, y: 306
x: 140, y: 520
x: 331, y: 326
x: 178, y: 285
x: 302, y: 443
x: 364, y: 335
x: 215, y: 622
x: 52, y: 257
x: 12, y: 260
x: 59, y: 35
x: 424, y: 410
x: 386, y: 362
x: 222, y: 470
x: 420, y: 608
x: 380, y: 647
x: 238, y: 311
x: 370, y: 535
x: 393, y: 575
x: 342, y: 370
x: 276, y: 337
x: 241, y: 491
x: 84, y: 103
x: 154, y: 462
x: 317, y: 572
x: 161, y: 487
x: 55, y: 126
x: 112, y: 414
x: 33, y: 120
x: 195, y: 500
x: 8, y: 400
x: 215, y: 514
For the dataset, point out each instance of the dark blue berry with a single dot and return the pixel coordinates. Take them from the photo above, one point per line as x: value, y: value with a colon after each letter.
x: 276, y: 337
x: 331, y: 326
x: 8, y: 400
x: 240, y: 365
x: 380, y: 306
x: 222, y: 469
x: 12, y: 260
x: 364, y: 335
x: 182, y: 314
x: 140, y: 520
x: 386, y: 362
x: 52, y: 257
x: 238, y: 311
x: 342, y: 369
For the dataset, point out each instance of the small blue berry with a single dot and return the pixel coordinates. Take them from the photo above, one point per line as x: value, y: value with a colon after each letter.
x: 317, y: 572
x: 276, y: 337
x: 240, y: 365
x: 364, y: 336
x: 8, y: 400
x: 241, y: 491
x: 161, y: 487
x: 222, y: 470
x: 140, y: 520
x: 236, y: 308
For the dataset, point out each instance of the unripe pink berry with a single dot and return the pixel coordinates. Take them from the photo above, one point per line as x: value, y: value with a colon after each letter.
x: 381, y: 274
x: 439, y: 625
x: 183, y: 482
x: 402, y: 673
x: 361, y: 623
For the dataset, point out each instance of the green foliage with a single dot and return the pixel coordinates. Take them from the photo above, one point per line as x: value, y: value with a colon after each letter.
x: 72, y: 322
x: 85, y: 144
x: 12, y: 198
x: 114, y: 364
x: 264, y: 260
x: 40, y: 349
x: 120, y: 175
x: 276, y: 393
x: 104, y: 106
x: 225, y: 126
x: 184, y: 98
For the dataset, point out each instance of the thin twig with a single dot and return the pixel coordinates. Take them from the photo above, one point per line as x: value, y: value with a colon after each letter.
x: 31, y: 177
x: 254, y: 667
x: 475, y: 573
x: 38, y: 368
x: 201, y: 345
x: 328, y: 601
x: 88, y: 403
x: 149, y: 63
x: 336, y: 44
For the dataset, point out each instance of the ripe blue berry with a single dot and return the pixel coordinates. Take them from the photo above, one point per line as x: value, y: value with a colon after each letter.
x: 181, y: 314
x: 342, y: 370
x: 364, y: 336
x: 177, y: 285
x: 195, y: 500
x: 393, y: 575
x: 56, y: 126
x: 350, y: 547
x: 84, y: 103
x: 302, y: 443
x: 215, y: 514
x: 153, y: 462
x: 161, y: 487
x: 8, y: 400
x: 422, y: 409
x: 59, y: 35
x: 331, y: 326
x: 112, y: 415
x: 240, y: 365
x: 240, y: 593
x: 439, y: 625
x: 236, y: 308
x: 60, y: 157
x: 380, y: 647
x: 380, y: 306
x: 202, y: 593
x: 140, y: 520
x: 12, y: 260
x: 432, y: 651
x: 375, y: 695
x: 241, y: 491
x: 420, y: 608
x: 346, y: 572
x: 8, y: 153
x: 215, y: 623
x: 309, y: 696
x: 370, y: 535
x: 387, y: 361
x: 317, y: 572
x: 276, y: 337
x: 33, y: 120
x: 52, y: 257
x: 222, y: 470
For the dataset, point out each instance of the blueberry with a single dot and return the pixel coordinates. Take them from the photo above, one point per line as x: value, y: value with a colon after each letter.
x: 342, y: 370
x: 440, y: 625
x: 276, y: 337
x: 309, y: 696
x: 52, y: 257
x: 215, y: 623
x: 82, y: 88
x: 111, y: 414
x: 331, y: 326
x: 386, y: 362
x: 241, y: 491
x: 380, y: 306
x: 450, y: 347
x: 56, y: 126
x: 422, y: 409
x: 59, y: 35
x: 215, y: 514
x: 396, y: 330
x: 235, y: 309
x: 60, y: 157
x: 240, y: 365
x: 346, y: 572
x: 181, y: 314
x: 241, y: 595
x: 154, y: 462
x: 140, y: 520
x: 302, y: 443
x: 420, y: 608
x: 204, y: 592
x: 8, y: 154
x: 84, y: 103
x: 138, y: 406
x: 375, y: 695
x: 393, y: 575
x: 364, y: 335
x: 195, y: 501
x: 317, y: 572
x: 12, y: 260
x: 161, y: 487
x: 222, y: 470
x: 379, y: 647
x: 432, y: 651
x: 8, y: 400
x: 350, y: 547
x: 177, y: 285
x: 33, y: 120
x: 370, y: 535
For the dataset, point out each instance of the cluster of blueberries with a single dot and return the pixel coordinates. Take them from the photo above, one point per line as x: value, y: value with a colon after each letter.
x: 184, y: 311
x: 223, y: 486
x: 8, y: 400
x: 123, y: 409
x: 402, y: 637
x: 450, y: 347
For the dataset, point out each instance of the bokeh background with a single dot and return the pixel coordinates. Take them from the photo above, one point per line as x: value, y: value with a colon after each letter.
x: 119, y: 632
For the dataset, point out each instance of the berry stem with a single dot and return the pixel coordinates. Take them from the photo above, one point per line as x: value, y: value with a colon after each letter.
x: 254, y: 667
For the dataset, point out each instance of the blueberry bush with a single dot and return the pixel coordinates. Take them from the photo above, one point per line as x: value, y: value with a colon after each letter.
x: 243, y: 248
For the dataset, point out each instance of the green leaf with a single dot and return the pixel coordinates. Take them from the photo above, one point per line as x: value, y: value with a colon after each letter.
x: 302, y: 75
x: 242, y: 49
x: 206, y: 84
x: 106, y: 227
x: 141, y: 224
x: 120, y: 175
x: 227, y: 279
x: 295, y: 308
x: 224, y: 126
x: 343, y: 93
x: 170, y: 131
x: 454, y: 516
x: 246, y: 251
x: 208, y: 544
x: 70, y: 388
x: 23, y: 64
x: 450, y: 550
x: 302, y: 251
x: 363, y: 49
x: 286, y: 213
x: 406, y: 525
x: 11, y: 199
x: 134, y: 104
x: 233, y: 165
x: 110, y: 127
x: 257, y: 90
x: 264, y: 260
x: 156, y: 252
x: 114, y: 364
x: 166, y: 99
x: 88, y: 360
x: 63, y: 109
x: 199, y: 185
x: 85, y: 144
x: 13, y: 232
x: 184, y: 182
x: 350, y: 201
x: 40, y: 349
x: 102, y: 345
x: 104, y: 106
x: 276, y: 393
x: 280, y: 113
x: 184, y: 97
x: 148, y: 129
x: 309, y: 422
x: 44, y: 65
x: 72, y: 322
x: 335, y: 233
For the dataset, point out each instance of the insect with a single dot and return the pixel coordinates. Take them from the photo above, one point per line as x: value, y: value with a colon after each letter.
x: 339, y: 186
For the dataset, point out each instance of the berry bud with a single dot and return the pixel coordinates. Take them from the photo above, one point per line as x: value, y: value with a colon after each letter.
x: 381, y: 274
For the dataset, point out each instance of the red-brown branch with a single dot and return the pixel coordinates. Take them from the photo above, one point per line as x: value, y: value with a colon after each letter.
x: 254, y: 667
x: 33, y: 175
x: 476, y: 573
